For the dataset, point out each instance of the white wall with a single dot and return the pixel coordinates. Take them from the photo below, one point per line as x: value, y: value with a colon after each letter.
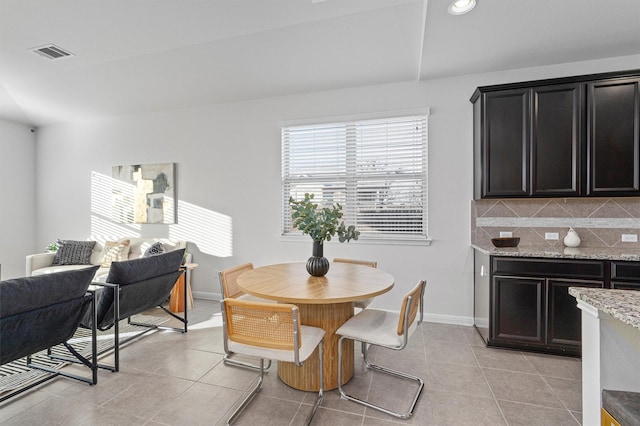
x: 228, y: 170
x: 17, y: 208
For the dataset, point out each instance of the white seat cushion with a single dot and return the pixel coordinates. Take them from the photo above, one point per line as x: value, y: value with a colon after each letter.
x: 374, y: 326
x: 311, y: 337
x: 362, y: 304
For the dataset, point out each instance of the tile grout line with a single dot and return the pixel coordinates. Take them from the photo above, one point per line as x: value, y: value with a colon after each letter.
x: 539, y: 374
x: 489, y: 386
x: 559, y: 399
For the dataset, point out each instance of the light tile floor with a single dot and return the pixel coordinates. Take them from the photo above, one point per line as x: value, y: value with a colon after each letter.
x: 169, y: 378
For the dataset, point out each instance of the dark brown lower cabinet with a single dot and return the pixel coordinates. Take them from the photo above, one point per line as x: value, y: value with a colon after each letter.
x: 625, y: 275
x: 524, y: 303
x: 531, y: 308
x: 563, y: 317
x: 618, y: 285
x: 518, y: 310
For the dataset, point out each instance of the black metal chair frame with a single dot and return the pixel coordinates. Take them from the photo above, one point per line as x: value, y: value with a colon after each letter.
x: 91, y: 363
x: 183, y: 319
x: 149, y: 327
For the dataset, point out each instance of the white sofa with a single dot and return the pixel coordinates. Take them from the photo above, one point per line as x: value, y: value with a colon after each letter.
x: 42, y: 263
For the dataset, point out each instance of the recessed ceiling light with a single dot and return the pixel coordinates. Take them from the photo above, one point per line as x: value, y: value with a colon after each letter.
x: 460, y: 7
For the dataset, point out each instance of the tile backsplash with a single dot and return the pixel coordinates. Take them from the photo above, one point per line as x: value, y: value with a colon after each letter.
x: 600, y: 222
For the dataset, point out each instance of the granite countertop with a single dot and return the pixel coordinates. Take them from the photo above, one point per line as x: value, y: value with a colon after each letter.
x: 620, y: 304
x: 594, y: 253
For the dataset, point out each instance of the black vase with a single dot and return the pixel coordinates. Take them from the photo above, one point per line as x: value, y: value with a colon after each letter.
x: 318, y: 265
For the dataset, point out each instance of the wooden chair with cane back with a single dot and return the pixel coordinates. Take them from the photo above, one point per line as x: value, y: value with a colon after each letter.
x: 229, y: 287
x: 270, y: 331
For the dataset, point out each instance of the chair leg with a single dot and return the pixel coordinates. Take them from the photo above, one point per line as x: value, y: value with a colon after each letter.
x: 91, y: 363
x: 258, y: 386
x: 249, y: 397
x: 230, y: 361
x: 385, y: 370
x: 321, y: 391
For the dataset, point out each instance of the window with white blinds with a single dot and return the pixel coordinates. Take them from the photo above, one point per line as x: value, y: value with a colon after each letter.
x: 376, y: 169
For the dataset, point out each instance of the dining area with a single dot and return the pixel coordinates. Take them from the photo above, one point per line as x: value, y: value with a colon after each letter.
x: 316, y: 326
x: 183, y: 378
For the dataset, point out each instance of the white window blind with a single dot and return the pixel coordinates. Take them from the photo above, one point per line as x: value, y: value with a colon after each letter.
x: 377, y: 170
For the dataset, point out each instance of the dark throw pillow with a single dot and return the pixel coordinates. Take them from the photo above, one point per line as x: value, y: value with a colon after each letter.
x: 72, y: 252
x: 155, y: 248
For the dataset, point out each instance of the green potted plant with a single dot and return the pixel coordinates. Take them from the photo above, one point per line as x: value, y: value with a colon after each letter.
x: 320, y: 223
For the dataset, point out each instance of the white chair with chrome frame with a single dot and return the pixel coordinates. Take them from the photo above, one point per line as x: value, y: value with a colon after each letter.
x: 270, y: 331
x: 362, y: 304
x: 388, y: 330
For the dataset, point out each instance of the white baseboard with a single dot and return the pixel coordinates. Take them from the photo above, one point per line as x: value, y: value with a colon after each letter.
x: 448, y: 319
x: 207, y: 295
x: 442, y: 319
x: 439, y: 318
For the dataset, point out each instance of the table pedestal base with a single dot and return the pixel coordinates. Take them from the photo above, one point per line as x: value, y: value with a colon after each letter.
x: 329, y: 317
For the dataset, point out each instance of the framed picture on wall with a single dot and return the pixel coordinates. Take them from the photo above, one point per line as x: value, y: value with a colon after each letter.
x: 143, y: 193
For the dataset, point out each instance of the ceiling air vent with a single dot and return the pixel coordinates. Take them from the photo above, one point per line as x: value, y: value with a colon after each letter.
x: 51, y: 51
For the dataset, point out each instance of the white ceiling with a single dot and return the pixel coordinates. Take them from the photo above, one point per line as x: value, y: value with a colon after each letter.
x: 137, y: 56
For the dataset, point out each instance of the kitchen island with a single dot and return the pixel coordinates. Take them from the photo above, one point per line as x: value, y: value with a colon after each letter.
x: 610, y: 345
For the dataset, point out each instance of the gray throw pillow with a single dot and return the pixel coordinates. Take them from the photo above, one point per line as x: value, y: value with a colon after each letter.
x: 72, y: 252
x: 154, y: 249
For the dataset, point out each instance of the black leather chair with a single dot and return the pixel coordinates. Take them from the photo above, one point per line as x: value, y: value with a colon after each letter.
x: 139, y: 284
x: 37, y: 313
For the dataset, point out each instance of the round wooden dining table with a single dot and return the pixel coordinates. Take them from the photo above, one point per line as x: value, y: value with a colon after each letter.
x: 325, y: 302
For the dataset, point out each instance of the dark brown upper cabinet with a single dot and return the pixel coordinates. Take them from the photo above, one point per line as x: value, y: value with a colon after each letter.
x: 506, y: 118
x: 614, y: 142
x: 556, y: 140
x: 566, y: 137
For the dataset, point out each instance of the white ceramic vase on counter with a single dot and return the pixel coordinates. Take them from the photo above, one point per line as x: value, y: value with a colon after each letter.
x: 572, y: 239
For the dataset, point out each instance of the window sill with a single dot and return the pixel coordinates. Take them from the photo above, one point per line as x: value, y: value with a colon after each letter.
x: 415, y: 241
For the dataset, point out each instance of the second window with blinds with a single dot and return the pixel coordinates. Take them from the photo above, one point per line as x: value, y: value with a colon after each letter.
x: 375, y: 168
